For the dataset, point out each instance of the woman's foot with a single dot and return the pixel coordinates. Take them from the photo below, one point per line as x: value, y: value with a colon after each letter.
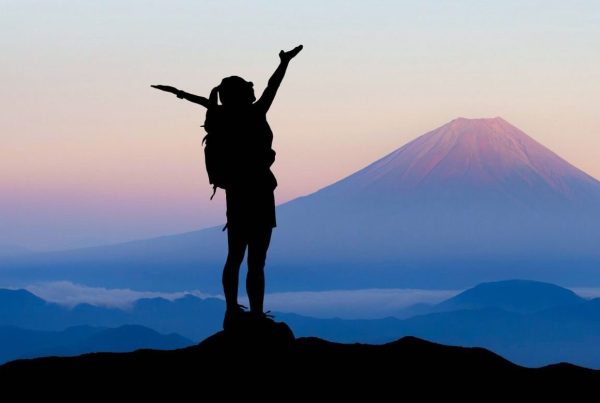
x: 233, y: 316
x: 262, y: 317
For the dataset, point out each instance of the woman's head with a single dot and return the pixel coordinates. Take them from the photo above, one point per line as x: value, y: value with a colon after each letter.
x: 235, y: 90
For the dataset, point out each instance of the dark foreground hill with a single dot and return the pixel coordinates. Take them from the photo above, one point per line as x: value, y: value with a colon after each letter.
x: 258, y: 361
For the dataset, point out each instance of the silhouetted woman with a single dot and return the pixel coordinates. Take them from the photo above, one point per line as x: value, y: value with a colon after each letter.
x: 249, y: 192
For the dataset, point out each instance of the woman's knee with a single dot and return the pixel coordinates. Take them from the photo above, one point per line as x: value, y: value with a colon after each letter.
x: 256, y: 263
x: 233, y: 263
x: 234, y: 259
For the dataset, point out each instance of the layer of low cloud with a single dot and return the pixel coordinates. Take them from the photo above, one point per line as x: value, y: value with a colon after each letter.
x: 70, y: 294
x: 351, y: 304
x: 587, y: 292
x: 347, y: 304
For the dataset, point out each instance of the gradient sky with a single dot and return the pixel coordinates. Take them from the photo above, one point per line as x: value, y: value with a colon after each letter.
x: 90, y: 154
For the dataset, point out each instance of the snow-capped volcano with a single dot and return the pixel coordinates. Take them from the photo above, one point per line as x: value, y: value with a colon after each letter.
x: 474, y: 200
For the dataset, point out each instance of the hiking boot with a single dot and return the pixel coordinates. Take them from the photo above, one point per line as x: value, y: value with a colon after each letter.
x: 234, y: 317
x: 262, y: 317
x: 266, y: 331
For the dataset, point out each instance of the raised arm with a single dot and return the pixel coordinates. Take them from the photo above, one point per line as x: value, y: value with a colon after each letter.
x: 197, y: 99
x: 267, y: 97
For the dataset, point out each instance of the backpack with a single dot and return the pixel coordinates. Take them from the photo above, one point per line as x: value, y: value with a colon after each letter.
x: 225, y: 157
x: 216, y: 151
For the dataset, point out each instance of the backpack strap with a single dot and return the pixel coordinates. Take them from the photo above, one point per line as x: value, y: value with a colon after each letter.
x: 214, y: 191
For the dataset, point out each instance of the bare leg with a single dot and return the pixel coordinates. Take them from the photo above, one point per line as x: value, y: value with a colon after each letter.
x: 258, y: 244
x: 237, y: 248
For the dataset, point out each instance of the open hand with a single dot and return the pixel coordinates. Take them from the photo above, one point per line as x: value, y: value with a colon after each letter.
x: 166, y: 88
x: 290, y: 54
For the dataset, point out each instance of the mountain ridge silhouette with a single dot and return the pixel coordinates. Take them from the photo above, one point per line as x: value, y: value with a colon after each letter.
x: 304, y: 365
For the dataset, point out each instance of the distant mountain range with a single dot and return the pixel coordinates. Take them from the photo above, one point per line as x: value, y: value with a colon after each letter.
x: 474, y: 200
x: 192, y: 317
x: 528, y: 322
x: 18, y: 343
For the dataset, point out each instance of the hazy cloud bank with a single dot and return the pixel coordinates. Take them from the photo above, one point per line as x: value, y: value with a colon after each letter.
x: 348, y: 304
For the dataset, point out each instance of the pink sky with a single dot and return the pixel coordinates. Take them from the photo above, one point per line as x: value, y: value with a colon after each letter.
x: 91, y: 154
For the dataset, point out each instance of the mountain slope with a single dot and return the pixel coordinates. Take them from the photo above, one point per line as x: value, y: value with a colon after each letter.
x: 474, y: 200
